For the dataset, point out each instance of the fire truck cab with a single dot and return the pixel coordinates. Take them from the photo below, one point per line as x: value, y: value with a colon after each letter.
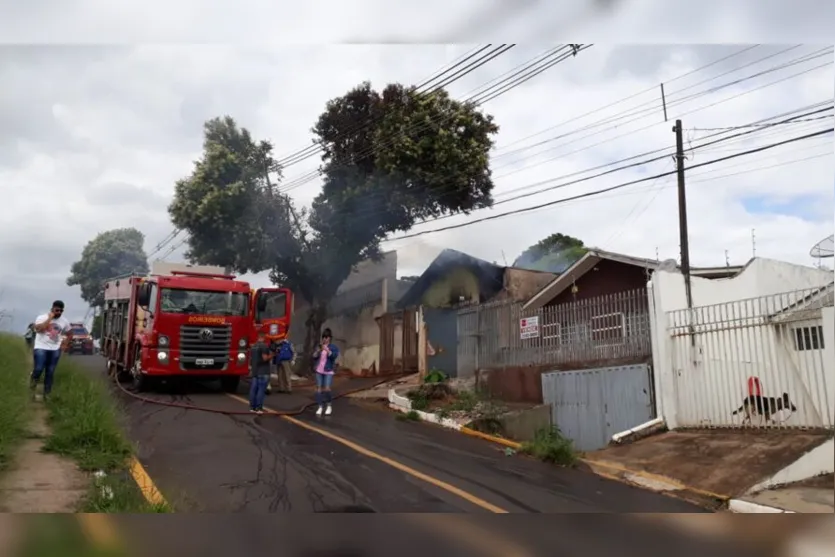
x: 271, y: 311
x: 181, y: 324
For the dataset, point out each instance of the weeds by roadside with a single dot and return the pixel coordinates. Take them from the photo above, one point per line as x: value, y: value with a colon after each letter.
x: 410, y: 416
x: 15, y: 363
x: 85, y: 423
x: 118, y: 493
x: 549, y: 445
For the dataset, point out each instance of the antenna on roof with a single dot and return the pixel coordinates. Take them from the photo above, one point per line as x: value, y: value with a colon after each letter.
x: 727, y: 261
x: 753, y: 243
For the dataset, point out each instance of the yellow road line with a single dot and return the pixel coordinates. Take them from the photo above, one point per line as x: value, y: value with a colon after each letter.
x: 146, y: 484
x: 391, y: 462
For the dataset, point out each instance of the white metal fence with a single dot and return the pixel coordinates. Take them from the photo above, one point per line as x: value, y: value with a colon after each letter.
x: 762, y: 362
x: 599, y: 329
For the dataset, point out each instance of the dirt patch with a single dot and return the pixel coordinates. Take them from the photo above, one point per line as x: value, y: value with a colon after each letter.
x: 723, y: 462
x: 41, y: 482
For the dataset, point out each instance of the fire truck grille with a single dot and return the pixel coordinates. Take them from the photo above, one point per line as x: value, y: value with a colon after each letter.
x: 205, y: 347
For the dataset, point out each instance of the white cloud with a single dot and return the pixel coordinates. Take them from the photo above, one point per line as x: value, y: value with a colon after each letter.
x: 93, y: 138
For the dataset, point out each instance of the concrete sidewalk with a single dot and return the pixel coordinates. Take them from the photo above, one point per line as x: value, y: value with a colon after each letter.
x: 816, y: 496
x: 41, y: 482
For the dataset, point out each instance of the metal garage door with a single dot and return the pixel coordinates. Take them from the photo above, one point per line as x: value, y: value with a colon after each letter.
x: 591, y: 405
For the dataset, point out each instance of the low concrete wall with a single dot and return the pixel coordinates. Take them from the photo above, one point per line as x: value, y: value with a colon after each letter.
x: 818, y: 461
x: 521, y: 425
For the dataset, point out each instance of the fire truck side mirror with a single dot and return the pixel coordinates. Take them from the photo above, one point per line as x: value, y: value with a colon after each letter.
x: 143, y: 297
x: 261, y: 303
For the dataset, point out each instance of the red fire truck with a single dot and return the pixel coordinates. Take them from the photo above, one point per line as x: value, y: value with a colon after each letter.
x: 271, y: 311
x: 182, y: 323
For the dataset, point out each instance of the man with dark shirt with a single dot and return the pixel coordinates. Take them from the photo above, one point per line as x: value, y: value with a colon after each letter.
x: 259, y: 361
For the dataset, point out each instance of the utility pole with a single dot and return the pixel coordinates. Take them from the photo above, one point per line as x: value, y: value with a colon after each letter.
x: 682, y: 214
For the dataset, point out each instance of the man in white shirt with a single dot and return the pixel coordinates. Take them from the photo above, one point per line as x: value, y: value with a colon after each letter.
x: 49, y: 329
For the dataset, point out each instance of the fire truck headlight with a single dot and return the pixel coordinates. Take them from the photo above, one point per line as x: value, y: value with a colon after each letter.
x: 242, y: 342
x: 162, y: 356
x: 163, y: 340
x: 241, y: 357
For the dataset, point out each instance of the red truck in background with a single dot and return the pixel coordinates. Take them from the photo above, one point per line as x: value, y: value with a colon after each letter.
x: 179, y: 324
x: 81, y: 341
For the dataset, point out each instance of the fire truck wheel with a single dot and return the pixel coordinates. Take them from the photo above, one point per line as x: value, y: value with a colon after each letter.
x: 230, y: 384
x: 141, y: 382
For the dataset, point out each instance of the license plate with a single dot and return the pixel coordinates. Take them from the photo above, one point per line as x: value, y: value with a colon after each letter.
x: 204, y: 361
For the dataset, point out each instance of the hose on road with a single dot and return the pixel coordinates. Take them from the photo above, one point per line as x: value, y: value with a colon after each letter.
x: 173, y: 404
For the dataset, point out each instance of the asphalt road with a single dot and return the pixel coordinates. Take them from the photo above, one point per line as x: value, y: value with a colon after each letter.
x: 360, y: 456
x: 363, y: 457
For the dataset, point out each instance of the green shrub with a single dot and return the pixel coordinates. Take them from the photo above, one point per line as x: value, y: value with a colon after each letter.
x: 549, y: 445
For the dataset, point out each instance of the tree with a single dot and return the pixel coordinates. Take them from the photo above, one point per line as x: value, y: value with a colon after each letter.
x: 554, y: 254
x: 109, y: 254
x: 389, y: 159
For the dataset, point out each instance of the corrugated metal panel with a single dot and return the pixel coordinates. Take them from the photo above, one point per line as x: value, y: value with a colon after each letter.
x: 441, y: 331
x: 467, y: 344
x: 589, y: 406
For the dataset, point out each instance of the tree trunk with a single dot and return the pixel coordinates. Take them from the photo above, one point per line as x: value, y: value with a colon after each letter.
x: 313, y: 333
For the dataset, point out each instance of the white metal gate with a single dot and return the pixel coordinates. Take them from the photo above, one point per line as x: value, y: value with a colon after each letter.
x: 591, y: 405
x: 762, y: 362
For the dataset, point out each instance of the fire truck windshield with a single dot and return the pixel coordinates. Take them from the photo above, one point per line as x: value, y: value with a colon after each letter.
x: 175, y: 300
x: 275, y: 306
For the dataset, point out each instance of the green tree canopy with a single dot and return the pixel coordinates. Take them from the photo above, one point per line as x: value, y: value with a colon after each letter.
x: 554, y: 254
x: 112, y: 253
x: 389, y: 159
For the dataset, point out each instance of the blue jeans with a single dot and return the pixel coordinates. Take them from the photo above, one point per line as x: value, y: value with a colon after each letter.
x: 324, y: 381
x: 323, y: 388
x: 257, y: 391
x: 45, y: 364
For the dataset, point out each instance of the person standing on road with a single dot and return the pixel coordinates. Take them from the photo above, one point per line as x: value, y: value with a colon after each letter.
x: 325, y: 357
x: 50, y: 330
x: 259, y: 361
x: 284, y: 356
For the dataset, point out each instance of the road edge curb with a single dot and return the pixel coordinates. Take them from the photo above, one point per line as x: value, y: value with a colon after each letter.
x: 146, y: 485
x: 670, y: 485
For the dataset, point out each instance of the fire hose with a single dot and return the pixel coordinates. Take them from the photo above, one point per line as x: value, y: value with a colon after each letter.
x: 382, y: 380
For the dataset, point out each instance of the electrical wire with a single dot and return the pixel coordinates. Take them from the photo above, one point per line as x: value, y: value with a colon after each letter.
x: 459, y: 74
x: 492, y: 92
x: 611, y: 188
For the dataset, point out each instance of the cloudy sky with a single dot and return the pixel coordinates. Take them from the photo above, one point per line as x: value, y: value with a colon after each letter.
x: 94, y: 137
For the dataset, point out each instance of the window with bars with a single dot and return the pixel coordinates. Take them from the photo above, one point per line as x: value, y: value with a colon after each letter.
x: 808, y: 338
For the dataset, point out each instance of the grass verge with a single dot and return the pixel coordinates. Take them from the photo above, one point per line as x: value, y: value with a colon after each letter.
x: 549, y: 445
x: 86, y: 426
x: 15, y: 409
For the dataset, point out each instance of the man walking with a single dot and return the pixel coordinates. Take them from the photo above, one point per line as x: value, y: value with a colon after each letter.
x: 49, y: 329
x: 259, y: 362
x: 284, y: 356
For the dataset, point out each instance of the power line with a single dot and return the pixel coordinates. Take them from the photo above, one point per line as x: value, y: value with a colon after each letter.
x: 638, y: 94
x: 488, y: 94
x: 641, y: 114
x: 667, y: 152
x: 666, y: 148
x: 611, y: 188
x: 472, y: 66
